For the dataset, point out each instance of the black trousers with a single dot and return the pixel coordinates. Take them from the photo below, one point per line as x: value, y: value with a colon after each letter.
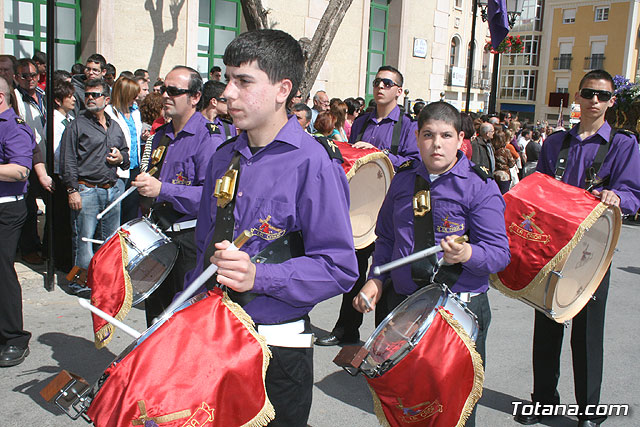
x: 289, y: 383
x: 587, y: 335
x: 62, y: 249
x: 29, y: 239
x: 161, y: 298
x: 349, y: 321
x: 12, y: 217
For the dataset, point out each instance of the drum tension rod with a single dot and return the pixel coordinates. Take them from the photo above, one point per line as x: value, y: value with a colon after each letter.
x: 558, y: 273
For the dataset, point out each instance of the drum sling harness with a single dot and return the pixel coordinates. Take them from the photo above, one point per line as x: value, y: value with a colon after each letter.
x: 284, y: 248
x: 427, y: 270
x: 395, y: 138
x: 591, y: 177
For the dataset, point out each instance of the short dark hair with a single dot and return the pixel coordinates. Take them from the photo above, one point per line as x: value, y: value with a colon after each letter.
x: 466, y: 123
x: 352, y: 105
x: 525, y: 132
x: 276, y: 53
x: 214, y: 69
x: 111, y: 70
x: 417, y: 107
x: 210, y: 90
x: 89, y: 84
x: 140, y: 72
x: 126, y: 73
x: 62, y: 89
x: 61, y: 75
x: 98, y: 59
x: 77, y: 68
x: 535, y: 135
x: 597, y: 75
x: 395, y: 71
x: 195, y: 79
x: 303, y: 107
x: 442, y: 111
x: 40, y: 57
x: 24, y: 62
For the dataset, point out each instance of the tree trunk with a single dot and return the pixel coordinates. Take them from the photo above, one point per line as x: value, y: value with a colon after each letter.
x: 255, y: 16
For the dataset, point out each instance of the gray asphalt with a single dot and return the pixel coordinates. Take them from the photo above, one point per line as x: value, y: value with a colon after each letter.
x: 62, y: 339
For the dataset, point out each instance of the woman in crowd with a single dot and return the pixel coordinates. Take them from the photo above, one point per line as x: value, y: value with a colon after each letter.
x: 325, y: 124
x: 353, y: 110
x: 504, y: 161
x: 339, y: 111
x: 533, y: 152
x: 469, y: 132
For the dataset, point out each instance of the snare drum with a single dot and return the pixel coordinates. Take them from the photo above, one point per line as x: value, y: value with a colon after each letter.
x: 369, y: 172
x: 562, y: 240
x: 151, y: 256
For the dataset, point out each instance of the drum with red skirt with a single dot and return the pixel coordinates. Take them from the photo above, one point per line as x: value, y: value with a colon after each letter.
x: 562, y: 240
x: 369, y: 172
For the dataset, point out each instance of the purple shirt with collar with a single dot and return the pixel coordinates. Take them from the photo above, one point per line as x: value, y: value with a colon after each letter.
x: 621, y: 164
x: 461, y: 202
x: 289, y: 185
x: 16, y: 147
x: 185, y: 164
x: 379, y: 133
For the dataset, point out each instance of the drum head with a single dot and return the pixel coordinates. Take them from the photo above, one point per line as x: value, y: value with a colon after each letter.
x: 147, y: 274
x: 402, y: 329
x: 367, y: 188
x: 585, y: 267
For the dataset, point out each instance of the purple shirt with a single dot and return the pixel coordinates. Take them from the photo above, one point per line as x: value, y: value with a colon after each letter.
x: 185, y: 164
x: 223, y: 125
x: 289, y: 185
x: 621, y: 164
x: 16, y: 147
x: 461, y: 202
x: 380, y: 133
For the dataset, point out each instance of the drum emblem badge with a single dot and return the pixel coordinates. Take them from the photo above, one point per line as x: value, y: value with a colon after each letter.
x: 527, y: 229
x: 419, y: 412
x: 203, y: 416
x: 449, y: 226
x: 267, y: 231
x: 180, y: 179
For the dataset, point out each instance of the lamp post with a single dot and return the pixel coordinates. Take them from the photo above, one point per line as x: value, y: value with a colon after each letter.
x: 514, y: 10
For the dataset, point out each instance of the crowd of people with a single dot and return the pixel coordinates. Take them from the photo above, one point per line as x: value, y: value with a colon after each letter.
x: 173, y: 140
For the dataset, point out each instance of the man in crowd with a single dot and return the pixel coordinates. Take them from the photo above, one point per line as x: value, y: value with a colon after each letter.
x: 214, y: 108
x: 303, y: 113
x: 590, y: 144
x: 16, y: 148
x: 215, y: 74
x: 140, y: 72
x: 40, y: 59
x: 110, y: 75
x: 289, y: 187
x: 92, y: 148
x: 181, y: 153
x: 144, y: 89
x: 388, y: 129
x: 482, y: 150
x: 95, y: 67
x: 320, y: 104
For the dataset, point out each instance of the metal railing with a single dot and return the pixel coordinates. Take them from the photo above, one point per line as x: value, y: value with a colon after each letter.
x: 563, y: 62
x: 594, y: 62
x: 480, y: 79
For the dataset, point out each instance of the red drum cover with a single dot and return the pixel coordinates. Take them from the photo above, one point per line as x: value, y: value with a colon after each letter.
x: 204, y: 366
x: 545, y: 218
x: 436, y: 384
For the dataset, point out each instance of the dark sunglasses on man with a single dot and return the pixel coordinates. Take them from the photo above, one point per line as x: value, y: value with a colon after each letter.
x: 174, y: 91
x: 388, y: 83
x: 94, y: 95
x: 603, y: 95
x: 28, y: 76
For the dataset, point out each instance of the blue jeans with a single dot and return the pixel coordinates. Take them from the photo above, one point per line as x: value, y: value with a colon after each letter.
x: 85, y: 224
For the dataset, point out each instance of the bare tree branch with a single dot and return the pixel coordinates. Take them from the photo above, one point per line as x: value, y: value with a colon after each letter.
x: 254, y: 14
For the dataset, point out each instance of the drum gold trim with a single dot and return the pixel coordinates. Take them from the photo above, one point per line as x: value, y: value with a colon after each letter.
x: 366, y: 159
x: 225, y: 188
x: 421, y: 203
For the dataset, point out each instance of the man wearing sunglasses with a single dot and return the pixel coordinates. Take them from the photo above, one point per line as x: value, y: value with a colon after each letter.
x: 214, y: 108
x: 181, y: 150
x: 95, y: 67
x: 390, y: 130
x: 617, y: 183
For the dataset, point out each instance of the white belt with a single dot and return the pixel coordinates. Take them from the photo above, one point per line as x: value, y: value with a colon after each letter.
x: 286, y: 335
x: 466, y: 296
x: 184, y: 225
x: 8, y: 199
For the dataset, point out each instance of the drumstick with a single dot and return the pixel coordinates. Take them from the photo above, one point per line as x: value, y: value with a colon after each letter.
x: 366, y: 300
x: 202, y: 278
x: 86, y: 239
x: 414, y: 257
x: 122, y: 197
x: 115, y: 322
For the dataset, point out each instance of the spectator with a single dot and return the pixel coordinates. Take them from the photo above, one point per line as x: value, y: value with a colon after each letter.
x: 325, y: 124
x: 40, y: 58
x: 127, y: 73
x: 533, y: 153
x: 417, y: 107
x: 77, y: 69
x: 504, y: 161
x: 95, y: 67
x: 140, y: 72
x: 339, y: 111
x: 320, y: 104
x: 157, y: 85
x: 303, y: 113
x: 469, y: 132
x: 215, y: 73
x: 353, y: 110
x: 61, y: 75
x: 482, y: 150
x: 144, y: 89
x: 151, y: 112
x: 110, y: 75
x: 295, y: 99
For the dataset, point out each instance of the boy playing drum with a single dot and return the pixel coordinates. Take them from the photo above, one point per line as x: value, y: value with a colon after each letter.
x: 463, y: 200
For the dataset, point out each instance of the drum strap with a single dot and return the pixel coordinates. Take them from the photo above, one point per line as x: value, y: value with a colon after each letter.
x: 156, y: 160
x: 591, y: 177
x: 289, y: 246
x: 395, y: 138
x: 426, y: 271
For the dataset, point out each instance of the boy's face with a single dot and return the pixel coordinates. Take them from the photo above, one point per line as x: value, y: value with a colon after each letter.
x: 252, y: 100
x: 594, y: 107
x: 383, y: 94
x: 438, y: 143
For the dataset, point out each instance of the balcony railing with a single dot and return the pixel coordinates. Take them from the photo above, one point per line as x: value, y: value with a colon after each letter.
x: 594, y: 62
x: 563, y: 62
x: 480, y: 79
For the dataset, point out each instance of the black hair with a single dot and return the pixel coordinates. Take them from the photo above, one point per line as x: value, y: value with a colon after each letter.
x: 467, y: 125
x: 276, y: 53
x: 95, y: 83
x: 98, y: 59
x: 62, y: 89
x: 352, y: 105
x: 126, y: 73
x: 77, y: 68
x: 211, y: 90
x: 111, y: 70
x: 195, y: 79
x: 40, y: 57
x: 302, y: 107
x: 442, y: 111
x: 214, y: 69
x: 361, y: 101
x: 417, y: 107
x: 525, y: 132
x: 140, y: 72
x: 535, y: 135
x: 24, y: 62
x: 597, y: 75
x: 61, y: 75
x: 395, y: 71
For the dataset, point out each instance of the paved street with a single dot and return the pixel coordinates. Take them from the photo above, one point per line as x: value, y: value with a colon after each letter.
x: 62, y: 339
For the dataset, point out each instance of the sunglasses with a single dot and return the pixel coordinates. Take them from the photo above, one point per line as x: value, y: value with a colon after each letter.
x: 223, y: 100
x: 388, y: 83
x: 603, y: 95
x: 94, y: 95
x: 28, y: 76
x: 174, y: 91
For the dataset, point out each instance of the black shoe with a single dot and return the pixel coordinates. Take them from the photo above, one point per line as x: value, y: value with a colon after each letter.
x: 588, y: 423
x: 12, y: 355
x: 528, y: 419
x: 328, y: 341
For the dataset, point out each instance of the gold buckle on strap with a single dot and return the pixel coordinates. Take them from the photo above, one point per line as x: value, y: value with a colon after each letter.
x: 225, y: 187
x: 421, y: 203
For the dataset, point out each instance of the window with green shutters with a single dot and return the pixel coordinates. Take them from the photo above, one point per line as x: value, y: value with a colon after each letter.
x: 218, y: 24
x: 377, y: 49
x: 25, y: 25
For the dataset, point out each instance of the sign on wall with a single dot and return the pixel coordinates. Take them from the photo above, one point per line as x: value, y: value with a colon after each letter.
x: 419, y: 48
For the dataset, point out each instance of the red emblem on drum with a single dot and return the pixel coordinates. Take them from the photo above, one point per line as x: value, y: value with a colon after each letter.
x: 419, y: 412
x: 527, y: 229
